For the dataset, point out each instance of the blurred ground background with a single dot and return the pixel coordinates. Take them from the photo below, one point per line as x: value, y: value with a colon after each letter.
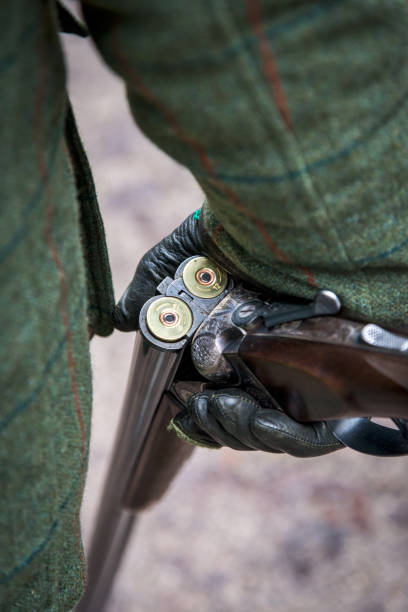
x: 237, y: 532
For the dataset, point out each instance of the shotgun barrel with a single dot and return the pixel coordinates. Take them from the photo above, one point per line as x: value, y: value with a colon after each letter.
x: 151, y: 373
x: 146, y: 457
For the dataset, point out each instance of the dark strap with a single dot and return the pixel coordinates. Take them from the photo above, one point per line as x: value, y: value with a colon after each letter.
x: 70, y: 24
x: 362, y: 435
x: 101, y: 300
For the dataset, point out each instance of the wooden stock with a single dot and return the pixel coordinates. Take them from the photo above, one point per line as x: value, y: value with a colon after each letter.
x: 318, y: 370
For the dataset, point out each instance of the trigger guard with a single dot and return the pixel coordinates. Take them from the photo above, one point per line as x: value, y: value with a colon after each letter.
x: 362, y: 435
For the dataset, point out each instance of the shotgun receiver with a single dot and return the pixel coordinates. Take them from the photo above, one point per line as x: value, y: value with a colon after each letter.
x: 316, y: 367
x: 315, y: 364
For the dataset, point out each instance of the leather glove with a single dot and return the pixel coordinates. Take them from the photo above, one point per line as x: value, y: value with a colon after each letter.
x: 231, y: 417
x: 160, y: 261
x: 228, y: 417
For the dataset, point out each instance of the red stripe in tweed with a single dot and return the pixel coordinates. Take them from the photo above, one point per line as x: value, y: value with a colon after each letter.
x: 310, y: 278
x: 205, y: 161
x: 135, y: 79
x: 49, y: 213
x: 269, y: 63
x: 217, y: 232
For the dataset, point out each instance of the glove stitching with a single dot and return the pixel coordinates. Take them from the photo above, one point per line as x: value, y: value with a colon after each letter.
x: 251, y: 402
x: 306, y: 442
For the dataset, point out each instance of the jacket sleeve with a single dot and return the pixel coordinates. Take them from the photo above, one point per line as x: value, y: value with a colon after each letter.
x: 290, y: 116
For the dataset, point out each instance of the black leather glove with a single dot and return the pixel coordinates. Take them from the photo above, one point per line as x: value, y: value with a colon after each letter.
x: 231, y: 417
x: 219, y: 418
x: 162, y: 260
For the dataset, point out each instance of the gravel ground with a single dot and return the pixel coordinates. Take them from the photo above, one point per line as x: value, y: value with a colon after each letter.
x: 237, y: 532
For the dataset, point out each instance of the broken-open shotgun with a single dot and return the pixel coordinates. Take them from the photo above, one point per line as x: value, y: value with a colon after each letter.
x: 314, y: 363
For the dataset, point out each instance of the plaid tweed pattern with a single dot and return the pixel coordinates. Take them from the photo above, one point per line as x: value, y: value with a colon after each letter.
x: 291, y: 116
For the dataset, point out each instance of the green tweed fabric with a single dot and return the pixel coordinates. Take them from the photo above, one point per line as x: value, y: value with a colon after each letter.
x: 49, y: 230
x: 292, y: 116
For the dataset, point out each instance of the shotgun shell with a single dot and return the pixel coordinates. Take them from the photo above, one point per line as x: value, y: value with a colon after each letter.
x: 169, y: 319
x: 204, y: 278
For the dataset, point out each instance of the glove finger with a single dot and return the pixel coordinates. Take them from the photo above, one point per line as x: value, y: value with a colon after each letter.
x: 188, y: 430
x: 278, y: 431
x: 234, y: 410
x: 126, y: 313
x: 198, y: 407
x: 160, y: 261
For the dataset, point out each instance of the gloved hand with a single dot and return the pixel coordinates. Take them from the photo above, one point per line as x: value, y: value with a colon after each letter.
x: 228, y: 417
x: 231, y: 417
x: 160, y: 261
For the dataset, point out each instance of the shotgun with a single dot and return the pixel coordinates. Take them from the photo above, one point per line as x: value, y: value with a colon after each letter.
x: 315, y: 364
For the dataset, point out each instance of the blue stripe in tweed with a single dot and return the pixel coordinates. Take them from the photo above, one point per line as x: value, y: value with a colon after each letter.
x: 10, y: 58
x: 23, y: 405
x: 32, y: 204
x: 41, y: 546
x: 217, y: 57
x: 320, y: 163
x: 384, y: 255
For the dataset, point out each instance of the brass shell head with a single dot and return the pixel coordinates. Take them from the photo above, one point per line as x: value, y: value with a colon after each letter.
x: 169, y: 319
x: 204, y: 278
